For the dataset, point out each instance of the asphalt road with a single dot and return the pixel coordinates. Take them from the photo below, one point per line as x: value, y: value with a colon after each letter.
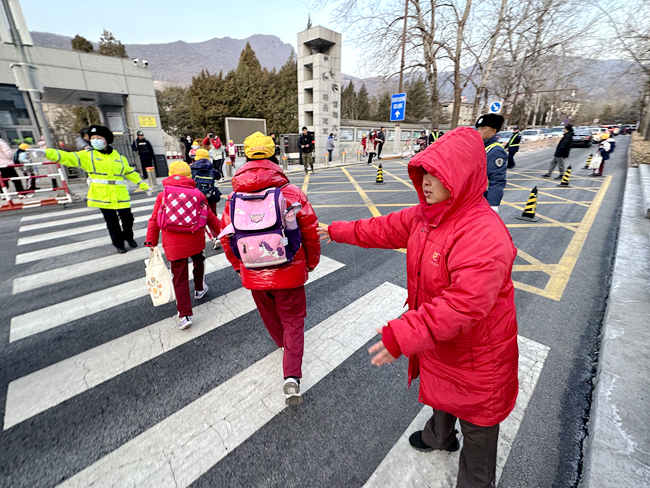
x: 96, y: 385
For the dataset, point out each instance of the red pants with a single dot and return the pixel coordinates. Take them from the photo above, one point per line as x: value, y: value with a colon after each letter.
x: 182, y: 284
x: 283, y: 313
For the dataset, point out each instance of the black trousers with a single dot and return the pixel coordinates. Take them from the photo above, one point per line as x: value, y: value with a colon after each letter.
x: 119, y: 233
x: 11, y: 173
x: 511, y: 157
x: 478, y: 457
x: 146, y: 163
x: 380, y: 146
x: 370, y: 155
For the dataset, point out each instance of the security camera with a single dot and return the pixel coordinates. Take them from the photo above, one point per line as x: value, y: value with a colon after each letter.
x: 145, y: 63
x: 135, y: 61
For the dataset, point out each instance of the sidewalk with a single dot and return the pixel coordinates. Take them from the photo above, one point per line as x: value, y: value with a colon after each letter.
x: 617, y: 450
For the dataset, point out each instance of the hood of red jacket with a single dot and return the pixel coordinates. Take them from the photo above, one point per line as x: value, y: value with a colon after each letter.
x: 458, y: 160
x: 258, y: 175
x: 178, y: 180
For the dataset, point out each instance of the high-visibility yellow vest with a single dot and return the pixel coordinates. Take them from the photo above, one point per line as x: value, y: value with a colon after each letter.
x: 511, y: 143
x: 494, y: 144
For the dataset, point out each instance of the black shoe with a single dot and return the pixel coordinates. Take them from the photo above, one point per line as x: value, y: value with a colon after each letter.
x: 418, y: 444
x: 547, y: 175
x: 558, y: 178
x: 132, y: 243
x: 121, y: 250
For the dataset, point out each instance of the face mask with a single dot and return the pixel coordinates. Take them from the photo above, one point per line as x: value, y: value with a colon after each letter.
x: 98, y: 144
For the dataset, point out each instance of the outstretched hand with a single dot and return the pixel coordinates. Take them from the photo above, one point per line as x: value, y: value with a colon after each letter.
x: 324, y: 233
x: 381, y: 354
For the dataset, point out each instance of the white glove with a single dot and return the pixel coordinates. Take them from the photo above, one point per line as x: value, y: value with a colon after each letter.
x: 36, y: 153
x: 149, y: 193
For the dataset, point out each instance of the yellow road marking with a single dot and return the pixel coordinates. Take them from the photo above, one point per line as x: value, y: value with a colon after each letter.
x: 371, y: 206
x: 561, y: 224
x: 410, y: 185
x: 305, y: 184
x: 548, y: 195
x: 548, y: 219
x: 354, y: 191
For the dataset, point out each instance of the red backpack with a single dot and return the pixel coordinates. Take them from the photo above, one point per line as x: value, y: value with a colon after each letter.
x: 182, y: 210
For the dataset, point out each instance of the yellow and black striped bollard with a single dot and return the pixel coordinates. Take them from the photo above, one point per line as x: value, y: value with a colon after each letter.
x: 380, y: 176
x: 588, y: 161
x: 529, y: 212
x: 565, y: 178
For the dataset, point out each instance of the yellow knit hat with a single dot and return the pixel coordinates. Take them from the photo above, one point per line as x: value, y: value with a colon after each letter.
x: 180, y: 168
x: 259, y: 146
x: 24, y: 146
x: 201, y: 154
x: 604, y: 136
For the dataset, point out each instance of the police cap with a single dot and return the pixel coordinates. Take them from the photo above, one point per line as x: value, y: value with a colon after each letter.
x: 100, y: 130
x: 490, y: 120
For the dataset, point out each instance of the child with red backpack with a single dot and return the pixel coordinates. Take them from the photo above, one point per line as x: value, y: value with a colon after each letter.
x: 270, y: 238
x: 182, y: 212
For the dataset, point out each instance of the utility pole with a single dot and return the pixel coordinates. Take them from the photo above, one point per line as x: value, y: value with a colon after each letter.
x: 26, y: 68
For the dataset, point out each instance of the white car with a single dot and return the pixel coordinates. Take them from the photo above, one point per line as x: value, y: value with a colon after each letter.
x: 597, y: 133
x: 557, y: 131
x: 547, y: 133
x: 532, y: 135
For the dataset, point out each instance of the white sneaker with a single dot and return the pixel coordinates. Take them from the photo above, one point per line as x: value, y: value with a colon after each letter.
x: 201, y: 293
x: 216, y: 244
x: 291, y: 389
x: 184, y: 322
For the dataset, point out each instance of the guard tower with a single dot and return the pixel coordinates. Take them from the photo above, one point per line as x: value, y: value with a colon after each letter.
x: 319, y: 85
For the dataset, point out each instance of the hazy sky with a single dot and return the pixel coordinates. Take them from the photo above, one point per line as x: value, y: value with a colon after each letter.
x: 156, y: 21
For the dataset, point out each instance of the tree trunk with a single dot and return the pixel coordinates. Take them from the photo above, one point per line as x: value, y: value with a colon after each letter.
x: 460, y: 33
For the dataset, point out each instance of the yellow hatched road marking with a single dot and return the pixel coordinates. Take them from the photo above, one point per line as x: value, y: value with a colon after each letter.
x: 567, y: 200
x: 410, y: 185
x: 548, y: 219
x: 371, y: 206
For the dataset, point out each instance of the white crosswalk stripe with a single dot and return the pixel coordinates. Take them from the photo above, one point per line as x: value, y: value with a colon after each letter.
x: 76, y: 211
x: 75, y: 220
x: 404, y: 466
x: 71, y: 232
x: 225, y: 417
x: 48, y: 387
x: 47, y: 318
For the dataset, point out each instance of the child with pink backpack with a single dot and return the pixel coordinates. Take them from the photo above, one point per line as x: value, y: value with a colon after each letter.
x: 182, y: 213
x: 270, y: 237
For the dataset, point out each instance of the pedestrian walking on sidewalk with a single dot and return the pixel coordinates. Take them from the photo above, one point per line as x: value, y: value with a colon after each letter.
x: 107, y: 172
x: 513, y: 146
x: 306, y: 143
x: 460, y: 332
x: 329, y: 146
x: 364, y: 145
x: 6, y: 170
x: 231, y: 149
x: 278, y: 291
x: 370, y: 145
x: 488, y: 125
x: 379, y: 141
x: 561, y: 153
x: 180, y: 246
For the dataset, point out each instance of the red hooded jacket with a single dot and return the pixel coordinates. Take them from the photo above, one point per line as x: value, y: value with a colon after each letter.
x: 177, y: 245
x: 460, y: 332
x: 258, y: 175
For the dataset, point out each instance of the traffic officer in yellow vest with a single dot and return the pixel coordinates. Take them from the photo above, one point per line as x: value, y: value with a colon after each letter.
x: 107, y: 172
x: 488, y: 125
x: 434, y: 135
x: 513, y: 146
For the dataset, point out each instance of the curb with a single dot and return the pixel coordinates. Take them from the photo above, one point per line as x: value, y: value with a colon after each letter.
x: 617, y: 448
x: 644, y: 176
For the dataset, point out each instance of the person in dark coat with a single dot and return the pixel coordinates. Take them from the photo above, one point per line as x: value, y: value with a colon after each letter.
x: 187, y: 142
x: 561, y: 152
x: 488, y: 125
x: 379, y: 141
x: 145, y: 150
x: 434, y: 135
x: 513, y: 146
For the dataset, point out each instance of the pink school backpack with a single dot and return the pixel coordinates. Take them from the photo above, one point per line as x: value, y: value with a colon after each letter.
x: 263, y: 231
x: 182, y: 210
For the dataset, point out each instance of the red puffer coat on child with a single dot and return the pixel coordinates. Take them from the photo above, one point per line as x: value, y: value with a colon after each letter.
x: 460, y: 332
x: 256, y: 176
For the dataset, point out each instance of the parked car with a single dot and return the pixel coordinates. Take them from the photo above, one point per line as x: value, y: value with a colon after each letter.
x: 582, y: 137
x: 547, y: 133
x: 532, y: 135
x: 557, y: 131
x: 504, y: 136
x: 597, y: 132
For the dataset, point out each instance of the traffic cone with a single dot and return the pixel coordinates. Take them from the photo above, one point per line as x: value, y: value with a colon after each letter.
x: 529, y: 211
x: 588, y: 161
x: 380, y: 176
x: 565, y: 178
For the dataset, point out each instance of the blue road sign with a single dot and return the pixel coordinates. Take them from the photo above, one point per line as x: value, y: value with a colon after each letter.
x: 397, y: 107
x: 495, y: 107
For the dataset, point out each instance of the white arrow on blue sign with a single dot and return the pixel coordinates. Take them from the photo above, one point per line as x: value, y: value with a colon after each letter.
x: 397, y: 107
x: 495, y: 107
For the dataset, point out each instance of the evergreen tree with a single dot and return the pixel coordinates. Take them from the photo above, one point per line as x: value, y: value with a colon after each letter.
x: 363, y: 104
x: 110, y: 46
x: 249, y: 81
x: 417, y: 101
x: 349, y: 102
x: 174, y: 110
x: 282, y: 111
x: 382, y: 112
x: 82, y: 44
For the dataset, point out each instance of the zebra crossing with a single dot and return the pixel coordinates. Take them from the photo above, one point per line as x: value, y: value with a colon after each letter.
x: 150, y: 405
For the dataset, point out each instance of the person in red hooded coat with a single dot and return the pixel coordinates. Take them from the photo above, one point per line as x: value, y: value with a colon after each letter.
x: 460, y: 332
x: 279, y: 292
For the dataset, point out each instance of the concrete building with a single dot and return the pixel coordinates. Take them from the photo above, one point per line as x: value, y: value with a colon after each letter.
x: 465, y: 116
x: 319, y: 85
x: 122, y: 90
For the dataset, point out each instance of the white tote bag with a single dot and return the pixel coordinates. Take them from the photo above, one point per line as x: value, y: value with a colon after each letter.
x: 159, y: 280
